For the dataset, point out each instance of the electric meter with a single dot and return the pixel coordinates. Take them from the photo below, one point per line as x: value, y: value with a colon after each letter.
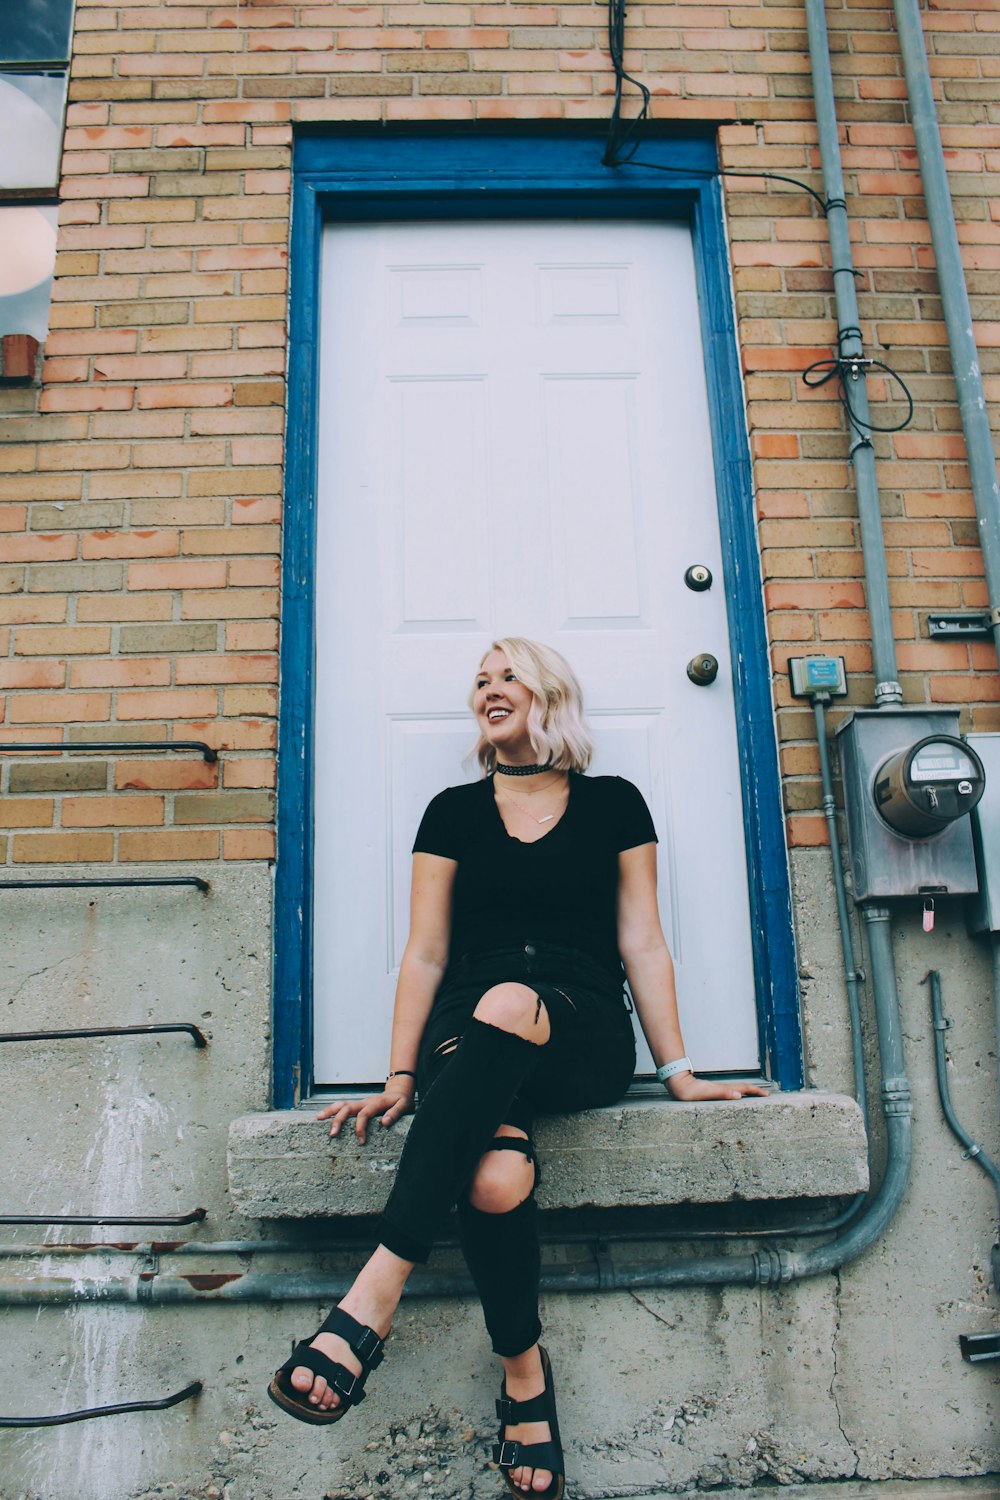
x: 921, y: 789
x: 908, y: 781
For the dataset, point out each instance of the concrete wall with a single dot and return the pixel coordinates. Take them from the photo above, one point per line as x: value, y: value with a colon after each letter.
x: 851, y: 1374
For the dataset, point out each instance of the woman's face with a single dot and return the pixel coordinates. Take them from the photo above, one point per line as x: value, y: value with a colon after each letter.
x: 501, y: 704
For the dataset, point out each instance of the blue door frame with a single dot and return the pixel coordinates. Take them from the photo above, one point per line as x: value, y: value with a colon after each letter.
x: 373, y: 175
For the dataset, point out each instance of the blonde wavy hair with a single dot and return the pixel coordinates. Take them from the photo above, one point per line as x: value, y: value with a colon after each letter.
x: 556, y: 726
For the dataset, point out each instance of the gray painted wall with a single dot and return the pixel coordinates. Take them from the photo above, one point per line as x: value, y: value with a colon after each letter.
x: 854, y: 1374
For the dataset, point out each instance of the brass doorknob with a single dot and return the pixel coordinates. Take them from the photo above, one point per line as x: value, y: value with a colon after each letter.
x: 703, y: 669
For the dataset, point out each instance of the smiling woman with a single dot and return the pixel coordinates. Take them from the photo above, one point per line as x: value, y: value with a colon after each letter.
x: 528, y: 911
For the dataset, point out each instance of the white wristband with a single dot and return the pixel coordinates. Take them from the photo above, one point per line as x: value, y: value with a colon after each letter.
x: 681, y: 1065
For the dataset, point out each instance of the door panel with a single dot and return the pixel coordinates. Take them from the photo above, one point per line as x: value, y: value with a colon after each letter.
x: 515, y: 440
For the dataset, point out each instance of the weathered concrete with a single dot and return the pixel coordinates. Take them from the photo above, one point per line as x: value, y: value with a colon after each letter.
x: 282, y: 1164
x: 137, y: 1124
x: 849, y: 1378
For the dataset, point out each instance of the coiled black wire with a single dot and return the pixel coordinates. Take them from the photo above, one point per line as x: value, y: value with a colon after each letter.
x: 846, y: 368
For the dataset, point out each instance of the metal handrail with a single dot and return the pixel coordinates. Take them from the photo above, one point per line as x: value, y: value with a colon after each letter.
x: 194, y: 1217
x: 93, y: 880
x: 193, y: 1389
x: 196, y: 1034
x: 85, y: 746
x: 200, y: 1040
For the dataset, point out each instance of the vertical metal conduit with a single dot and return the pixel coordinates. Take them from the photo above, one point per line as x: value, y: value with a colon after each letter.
x: 954, y: 299
x: 849, y: 349
x: 896, y: 1108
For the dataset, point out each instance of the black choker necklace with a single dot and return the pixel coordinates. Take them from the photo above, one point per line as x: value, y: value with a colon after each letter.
x: 521, y: 770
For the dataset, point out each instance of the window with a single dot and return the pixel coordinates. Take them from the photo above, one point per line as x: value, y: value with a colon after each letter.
x: 34, y: 70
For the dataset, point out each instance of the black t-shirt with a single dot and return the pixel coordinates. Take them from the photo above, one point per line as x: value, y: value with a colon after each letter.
x: 561, y: 889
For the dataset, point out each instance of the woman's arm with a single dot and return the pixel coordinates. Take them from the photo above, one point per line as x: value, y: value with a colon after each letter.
x: 650, y: 973
x: 423, y: 964
x: 425, y: 956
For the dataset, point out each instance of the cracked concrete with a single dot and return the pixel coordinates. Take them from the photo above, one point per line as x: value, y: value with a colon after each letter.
x: 834, y: 1374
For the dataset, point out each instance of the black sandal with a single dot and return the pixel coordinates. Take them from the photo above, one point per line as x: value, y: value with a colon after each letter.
x: 509, y: 1455
x: 364, y: 1342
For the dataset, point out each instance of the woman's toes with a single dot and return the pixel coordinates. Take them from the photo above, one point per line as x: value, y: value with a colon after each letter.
x: 319, y: 1388
x: 302, y: 1378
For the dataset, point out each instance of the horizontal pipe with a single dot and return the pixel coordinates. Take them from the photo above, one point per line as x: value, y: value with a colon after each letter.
x: 346, y: 1244
x: 173, y: 1290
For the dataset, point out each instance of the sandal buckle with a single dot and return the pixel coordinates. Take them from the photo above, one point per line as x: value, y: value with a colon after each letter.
x: 347, y: 1385
x: 505, y: 1410
x: 505, y: 1454
x: 368, y: 1347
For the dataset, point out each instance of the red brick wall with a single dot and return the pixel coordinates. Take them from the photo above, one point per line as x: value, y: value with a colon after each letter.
x: 141, y: 503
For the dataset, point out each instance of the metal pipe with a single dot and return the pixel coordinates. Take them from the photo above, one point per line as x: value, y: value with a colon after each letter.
x: 896, y: 1106
x: 601, y: 1274
x: 653, y: 1234
x: 954, y: 298
x: 973, y: 1151
x: 851, y: 975
x: 850, y: 348
x: 996, y: 993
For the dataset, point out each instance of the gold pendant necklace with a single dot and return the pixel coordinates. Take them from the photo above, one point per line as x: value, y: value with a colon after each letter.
x: 527, y: 811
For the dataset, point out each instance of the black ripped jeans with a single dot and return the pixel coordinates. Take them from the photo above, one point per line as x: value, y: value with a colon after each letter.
x: 473, y: 1078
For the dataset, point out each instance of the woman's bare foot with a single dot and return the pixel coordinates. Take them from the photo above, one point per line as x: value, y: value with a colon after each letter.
x: 524, y: 1378
x: 372, y: 1301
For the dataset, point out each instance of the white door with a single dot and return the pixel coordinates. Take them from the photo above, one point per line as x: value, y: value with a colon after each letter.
x: 514, y: 439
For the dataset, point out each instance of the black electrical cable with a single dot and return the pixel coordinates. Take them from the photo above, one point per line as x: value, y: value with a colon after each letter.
x: 615, y: 153
x: 655, y: 166
x: 846, y: 368
x: 621, y: 146
x: 620, y: 150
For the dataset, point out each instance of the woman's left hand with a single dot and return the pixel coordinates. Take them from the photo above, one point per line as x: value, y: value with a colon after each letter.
x: 687, y: 1087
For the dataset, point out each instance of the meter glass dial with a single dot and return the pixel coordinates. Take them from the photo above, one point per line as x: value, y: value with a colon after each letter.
x: 941, y: 763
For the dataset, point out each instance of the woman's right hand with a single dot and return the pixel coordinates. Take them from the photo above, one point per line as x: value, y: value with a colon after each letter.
x: 395, y: 1099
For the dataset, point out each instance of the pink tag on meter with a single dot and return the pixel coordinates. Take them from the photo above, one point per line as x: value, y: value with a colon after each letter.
x: 928, y: 916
